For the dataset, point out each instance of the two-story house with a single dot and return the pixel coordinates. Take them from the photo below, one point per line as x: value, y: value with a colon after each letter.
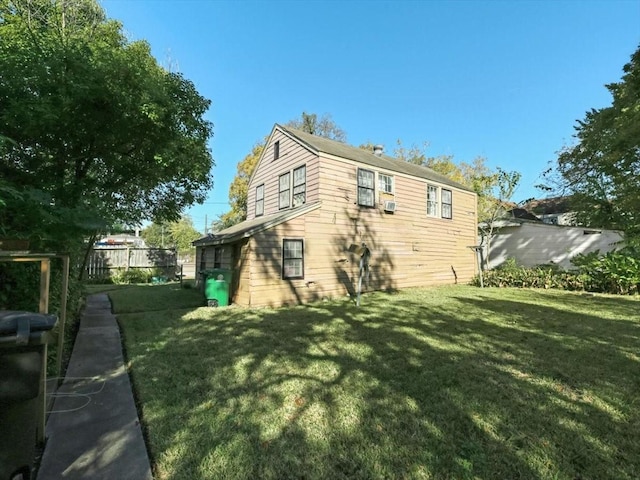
x: 312, y: 204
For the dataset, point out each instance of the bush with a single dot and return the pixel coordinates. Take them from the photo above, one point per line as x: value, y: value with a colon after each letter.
x: 615, y: 272
x: 133, y: 275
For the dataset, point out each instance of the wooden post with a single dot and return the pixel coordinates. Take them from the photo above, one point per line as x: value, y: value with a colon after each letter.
x: 45, y: 276
x: 63, y: 313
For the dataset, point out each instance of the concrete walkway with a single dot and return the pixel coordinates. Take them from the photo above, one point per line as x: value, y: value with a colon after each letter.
x: 93, y: 431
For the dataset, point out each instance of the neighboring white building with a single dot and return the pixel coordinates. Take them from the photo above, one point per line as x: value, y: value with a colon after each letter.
x: 533, y: 243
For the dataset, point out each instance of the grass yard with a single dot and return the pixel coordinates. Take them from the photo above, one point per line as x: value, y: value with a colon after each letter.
x: 443, y: 383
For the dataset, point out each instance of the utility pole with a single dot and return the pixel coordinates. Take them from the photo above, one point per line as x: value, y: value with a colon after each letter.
x: 206, y: 230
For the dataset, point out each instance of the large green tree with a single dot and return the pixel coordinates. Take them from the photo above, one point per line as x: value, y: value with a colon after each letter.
x: 308, y: 122
x: 94, y: 121
x: 601, y: 172
x: 93, y: 132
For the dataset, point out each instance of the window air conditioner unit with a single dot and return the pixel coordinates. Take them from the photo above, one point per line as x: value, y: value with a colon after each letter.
x: 389, y: 206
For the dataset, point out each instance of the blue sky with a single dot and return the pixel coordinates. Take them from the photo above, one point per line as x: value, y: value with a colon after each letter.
x: 505, y: 80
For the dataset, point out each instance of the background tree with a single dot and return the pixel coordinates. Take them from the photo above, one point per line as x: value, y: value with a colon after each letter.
x: 238, y: 189
x: 322, y: 127
x: 310, y: 123
x: 177, y: 234
x: 601, y: 171
x: 499, y: 187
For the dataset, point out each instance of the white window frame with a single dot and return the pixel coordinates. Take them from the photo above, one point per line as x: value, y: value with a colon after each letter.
x: 386, y: 183
x: 292, y: 259
x: 433, y: 200
x: 439, y: 202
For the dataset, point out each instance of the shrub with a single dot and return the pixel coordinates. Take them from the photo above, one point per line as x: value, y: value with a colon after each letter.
x: 133, y: 275
x: 615, y: 272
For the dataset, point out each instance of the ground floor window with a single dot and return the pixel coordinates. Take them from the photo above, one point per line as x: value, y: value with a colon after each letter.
x: 292, y: 258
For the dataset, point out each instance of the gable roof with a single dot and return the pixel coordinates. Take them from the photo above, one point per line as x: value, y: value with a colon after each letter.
x: 324, y: 145
x: 251, y: 227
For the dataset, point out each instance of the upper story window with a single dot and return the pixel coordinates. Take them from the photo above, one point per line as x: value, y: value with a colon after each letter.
x: 385, y: 183
x: 260, y: 200
x: 284, y: 190
x: 292, y: 258
x: 299, y: 186
x: 276, y: 150
x: 432, y: 200
x: 439, y: 202
x: 366, y: 188
x: 447, y: 204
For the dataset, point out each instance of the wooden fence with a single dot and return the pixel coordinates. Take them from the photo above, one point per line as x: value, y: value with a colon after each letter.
x: 104, y: 261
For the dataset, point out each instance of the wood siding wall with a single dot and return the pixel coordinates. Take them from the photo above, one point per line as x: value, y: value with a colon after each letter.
x: 409, y: 249
x: 268, y: 171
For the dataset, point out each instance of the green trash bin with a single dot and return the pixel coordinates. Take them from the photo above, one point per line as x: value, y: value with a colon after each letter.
x: 23, y: 348
x: 216, y: 287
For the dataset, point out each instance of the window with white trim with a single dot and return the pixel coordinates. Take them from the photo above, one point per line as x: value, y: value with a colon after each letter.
x: 260, y: 200
x: 284, y: 191
x: 439, y: 202
x: 299, y: 185
x: 432, y: 200
x: 385, y: 183
x: 366, y: 188
x: 292, y: 258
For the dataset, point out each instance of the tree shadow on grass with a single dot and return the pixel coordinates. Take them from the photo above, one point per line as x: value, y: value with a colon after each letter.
x: 400, y: 388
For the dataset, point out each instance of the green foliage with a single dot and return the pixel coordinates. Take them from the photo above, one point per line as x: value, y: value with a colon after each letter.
x: 616, y: 272
x: 93, y: 132
x: 95, y: 122
x: 238, y: 189
x: 510, y: 274
x: 133, y: 275
x: 439, y: 383
x: 600, y: 172
x: 178, y: 234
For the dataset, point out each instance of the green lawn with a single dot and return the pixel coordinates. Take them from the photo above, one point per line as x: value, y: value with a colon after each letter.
x: 443, y: 383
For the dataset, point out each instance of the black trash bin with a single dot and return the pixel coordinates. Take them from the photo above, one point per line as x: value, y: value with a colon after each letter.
x: 23, y: 345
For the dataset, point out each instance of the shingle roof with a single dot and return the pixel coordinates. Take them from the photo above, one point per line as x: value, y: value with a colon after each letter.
x: 253, y: 226
x: 332, y: 147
